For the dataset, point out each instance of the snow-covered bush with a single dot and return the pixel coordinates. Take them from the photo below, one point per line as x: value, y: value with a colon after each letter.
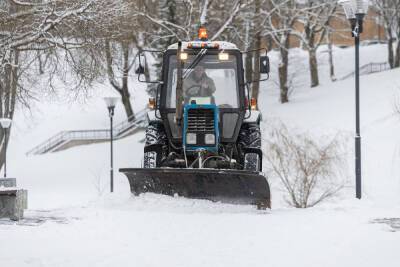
x: 309, y: 169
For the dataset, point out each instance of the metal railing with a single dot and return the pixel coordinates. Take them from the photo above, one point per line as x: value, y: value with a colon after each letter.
x: 369, y: 68
x: 121, y: 130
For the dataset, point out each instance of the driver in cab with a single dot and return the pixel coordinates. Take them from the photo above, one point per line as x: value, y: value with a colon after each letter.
x: 198, y: 84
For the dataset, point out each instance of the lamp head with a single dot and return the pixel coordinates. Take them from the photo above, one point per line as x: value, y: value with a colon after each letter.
x: 362, y: 7
x: 5, y: 123
x: 111, y: 101
x: 349, y: 9
x: 354, y: 7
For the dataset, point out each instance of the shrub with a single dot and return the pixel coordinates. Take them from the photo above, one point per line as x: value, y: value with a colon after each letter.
x: 309, y: 169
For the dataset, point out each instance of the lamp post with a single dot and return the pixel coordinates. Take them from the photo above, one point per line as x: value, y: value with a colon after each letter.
x: 355, y: 12
x: 111, y: 102
x: 5, y: 124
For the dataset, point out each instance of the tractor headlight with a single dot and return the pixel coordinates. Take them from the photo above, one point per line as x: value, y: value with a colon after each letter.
x: 210, y: 139
x: 191, y: 138
x: 223, y: 56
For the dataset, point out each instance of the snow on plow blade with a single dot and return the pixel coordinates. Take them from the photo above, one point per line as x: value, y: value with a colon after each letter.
x: 228, y: 186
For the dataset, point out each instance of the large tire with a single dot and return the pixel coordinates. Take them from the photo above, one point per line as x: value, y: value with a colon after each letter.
x: 249, y: 137
x: 155, y: 135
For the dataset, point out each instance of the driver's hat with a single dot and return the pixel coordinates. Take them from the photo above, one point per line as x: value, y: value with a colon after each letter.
x: 199, y: 68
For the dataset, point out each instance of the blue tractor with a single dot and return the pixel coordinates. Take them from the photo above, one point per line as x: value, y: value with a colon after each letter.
x: 203, y: 139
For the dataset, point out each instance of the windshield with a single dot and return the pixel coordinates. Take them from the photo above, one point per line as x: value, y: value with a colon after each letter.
x: 210, y: 81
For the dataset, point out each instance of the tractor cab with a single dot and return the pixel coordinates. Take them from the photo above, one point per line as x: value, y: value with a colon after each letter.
x: 211, y: 83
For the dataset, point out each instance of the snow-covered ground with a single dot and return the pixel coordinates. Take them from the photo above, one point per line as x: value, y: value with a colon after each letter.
x: 73, y: 221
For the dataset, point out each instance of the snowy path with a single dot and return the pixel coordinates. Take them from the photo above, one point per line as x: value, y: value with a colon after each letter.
x: 162, y: 231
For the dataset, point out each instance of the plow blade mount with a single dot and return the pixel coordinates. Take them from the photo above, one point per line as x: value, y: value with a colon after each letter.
x: 228, y: 186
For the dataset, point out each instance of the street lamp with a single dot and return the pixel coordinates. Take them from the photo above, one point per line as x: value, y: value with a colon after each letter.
x: 355, y: 12
x: 5, y: 124
x: 111, y: 102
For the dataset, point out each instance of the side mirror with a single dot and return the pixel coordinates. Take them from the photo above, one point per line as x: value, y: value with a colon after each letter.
x: 140, y: 65
x: 140, y: 69
x: 264, y: 64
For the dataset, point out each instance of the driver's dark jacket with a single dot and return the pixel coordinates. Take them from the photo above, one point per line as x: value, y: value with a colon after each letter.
x: 192, y: 82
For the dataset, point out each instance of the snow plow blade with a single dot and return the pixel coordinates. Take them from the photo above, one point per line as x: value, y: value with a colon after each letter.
x: 228, y: 186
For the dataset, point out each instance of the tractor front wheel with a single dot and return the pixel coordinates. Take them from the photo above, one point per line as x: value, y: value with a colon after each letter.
x: 155, y: 150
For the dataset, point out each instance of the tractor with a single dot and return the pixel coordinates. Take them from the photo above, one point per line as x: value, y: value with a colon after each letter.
x: 203, y: 138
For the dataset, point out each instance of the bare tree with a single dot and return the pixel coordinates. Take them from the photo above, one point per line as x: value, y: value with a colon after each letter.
x: 307, y: 169
x: 281, y: 25
x: 30, y: 33
x: 123, y: 49
x: 101, y: 37
x: 389, y: 10
x: 248, y: 32
x: 315, y: 22
x: 114, y: 27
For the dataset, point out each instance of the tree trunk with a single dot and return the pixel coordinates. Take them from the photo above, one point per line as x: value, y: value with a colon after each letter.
x: 390, y: 50
x: 8, y: 96
x: 330, y: 52
x: 124, y: 92
x: 283, y: 76
x: 122, y: 88
x: 283, y: 70
x: 313, y: 67
x: 312, y: 55
x: 397, y: 61
x: 283, y: 83
x: 4, y: 145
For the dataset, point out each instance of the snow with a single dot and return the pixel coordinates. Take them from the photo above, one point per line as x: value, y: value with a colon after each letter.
x: 72, y: 220
x: 2, y: 188
x: 221, y: 45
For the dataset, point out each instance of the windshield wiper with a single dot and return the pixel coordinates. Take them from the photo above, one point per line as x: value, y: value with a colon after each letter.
x: 196, y: 60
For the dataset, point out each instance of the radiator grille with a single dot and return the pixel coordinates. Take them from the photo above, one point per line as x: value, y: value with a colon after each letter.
x: 200, y: 120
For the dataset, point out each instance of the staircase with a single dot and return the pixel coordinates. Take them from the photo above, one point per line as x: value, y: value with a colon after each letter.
x: 68, y: 139
x: 369, y: 68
